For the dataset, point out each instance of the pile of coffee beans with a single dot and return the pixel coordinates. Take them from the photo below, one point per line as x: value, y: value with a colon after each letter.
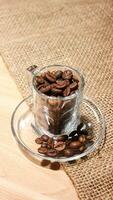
x: 56, y: 83
x: 65, y: 145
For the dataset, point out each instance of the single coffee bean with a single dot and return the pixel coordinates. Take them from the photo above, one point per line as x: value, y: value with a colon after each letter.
x: 62, y: 138
x: 81, y: 129
x: 81, y: 126
x: 42, y: 150
x: 75, y: 144
x: 50, y: 77
x: 59, y: 146
x: 39, y: 79
x: 73, y: 133
x: 51, y: 153
x: 82, y: 138
x: 74, y: 79
x: 53, y: 85
x: 56, y: 91
x: 58, y: 74
x: 50, y: 142
x: 75, y: 137
x: 45, y: 138
x: 68, y: 152
x: 66, y: 92
x: 44, y: 145
x: 82, y: 148
x: 67, y: 74
x: 62, y: 84
x: 45, y: 89
x: 40, y: 86
x: 73, y: 86
x: 44, y: 84
x: 39, y: 140
x: 43, y: 75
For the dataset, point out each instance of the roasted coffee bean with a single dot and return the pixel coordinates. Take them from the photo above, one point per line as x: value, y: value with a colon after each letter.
x: 50, y: 142
x: 39, y: 79
x: 50, y: 77
x: 82, y: 148
x: 82, y: 138
x: 81, y: 126
x: 75, y: 144
x: 43, y: 75
x: 42, y: 150
x: 56, y: 91
x: 62, y: 84
x: 53, y: 85
x: 66, y: 92
x: 74, y: 79
x: 67, y: 74
x: 55, y: 103
x: 73, y: 86
x: 62, y: 138
x: 59, y: 146
x: 73, y: 133
x: 39, y: 86
x: 58, y: 74
x: 45, y: 89
x: 45, y: 138
x: 68, y: 142
x: 51, y: 153
x: 81, y: 129
x: 39, y: 140
x: 44, y: 145
x: 75, y: 137
x: 68, y: 152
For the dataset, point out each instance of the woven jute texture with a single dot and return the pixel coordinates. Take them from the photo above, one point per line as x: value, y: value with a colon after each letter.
x: 76, y: 33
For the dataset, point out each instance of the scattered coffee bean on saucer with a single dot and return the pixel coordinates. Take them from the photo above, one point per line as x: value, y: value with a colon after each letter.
x: 64, y: 145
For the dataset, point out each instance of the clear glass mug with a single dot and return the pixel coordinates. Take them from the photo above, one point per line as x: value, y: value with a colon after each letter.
x: 55, y: 116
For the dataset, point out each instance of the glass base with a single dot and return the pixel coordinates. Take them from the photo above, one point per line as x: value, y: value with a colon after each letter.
x: 25, y: 132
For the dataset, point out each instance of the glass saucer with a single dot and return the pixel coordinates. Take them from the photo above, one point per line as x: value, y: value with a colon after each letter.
x: 22, y: 124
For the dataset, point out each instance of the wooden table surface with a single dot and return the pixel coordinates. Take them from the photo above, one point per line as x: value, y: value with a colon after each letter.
x: 22, y: 178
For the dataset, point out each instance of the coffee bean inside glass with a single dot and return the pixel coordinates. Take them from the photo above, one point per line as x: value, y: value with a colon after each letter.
x: 57, y: 95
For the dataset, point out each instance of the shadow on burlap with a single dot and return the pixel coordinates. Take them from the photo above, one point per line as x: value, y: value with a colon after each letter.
x: 77, y: 33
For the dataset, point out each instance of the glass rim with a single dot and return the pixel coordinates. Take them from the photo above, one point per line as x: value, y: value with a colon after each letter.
x: 81, y: 86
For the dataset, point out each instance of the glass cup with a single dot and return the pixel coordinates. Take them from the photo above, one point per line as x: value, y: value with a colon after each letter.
x: 55, y: 116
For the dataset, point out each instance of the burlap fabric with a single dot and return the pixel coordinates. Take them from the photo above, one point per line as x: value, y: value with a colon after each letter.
x: 76, y: 33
